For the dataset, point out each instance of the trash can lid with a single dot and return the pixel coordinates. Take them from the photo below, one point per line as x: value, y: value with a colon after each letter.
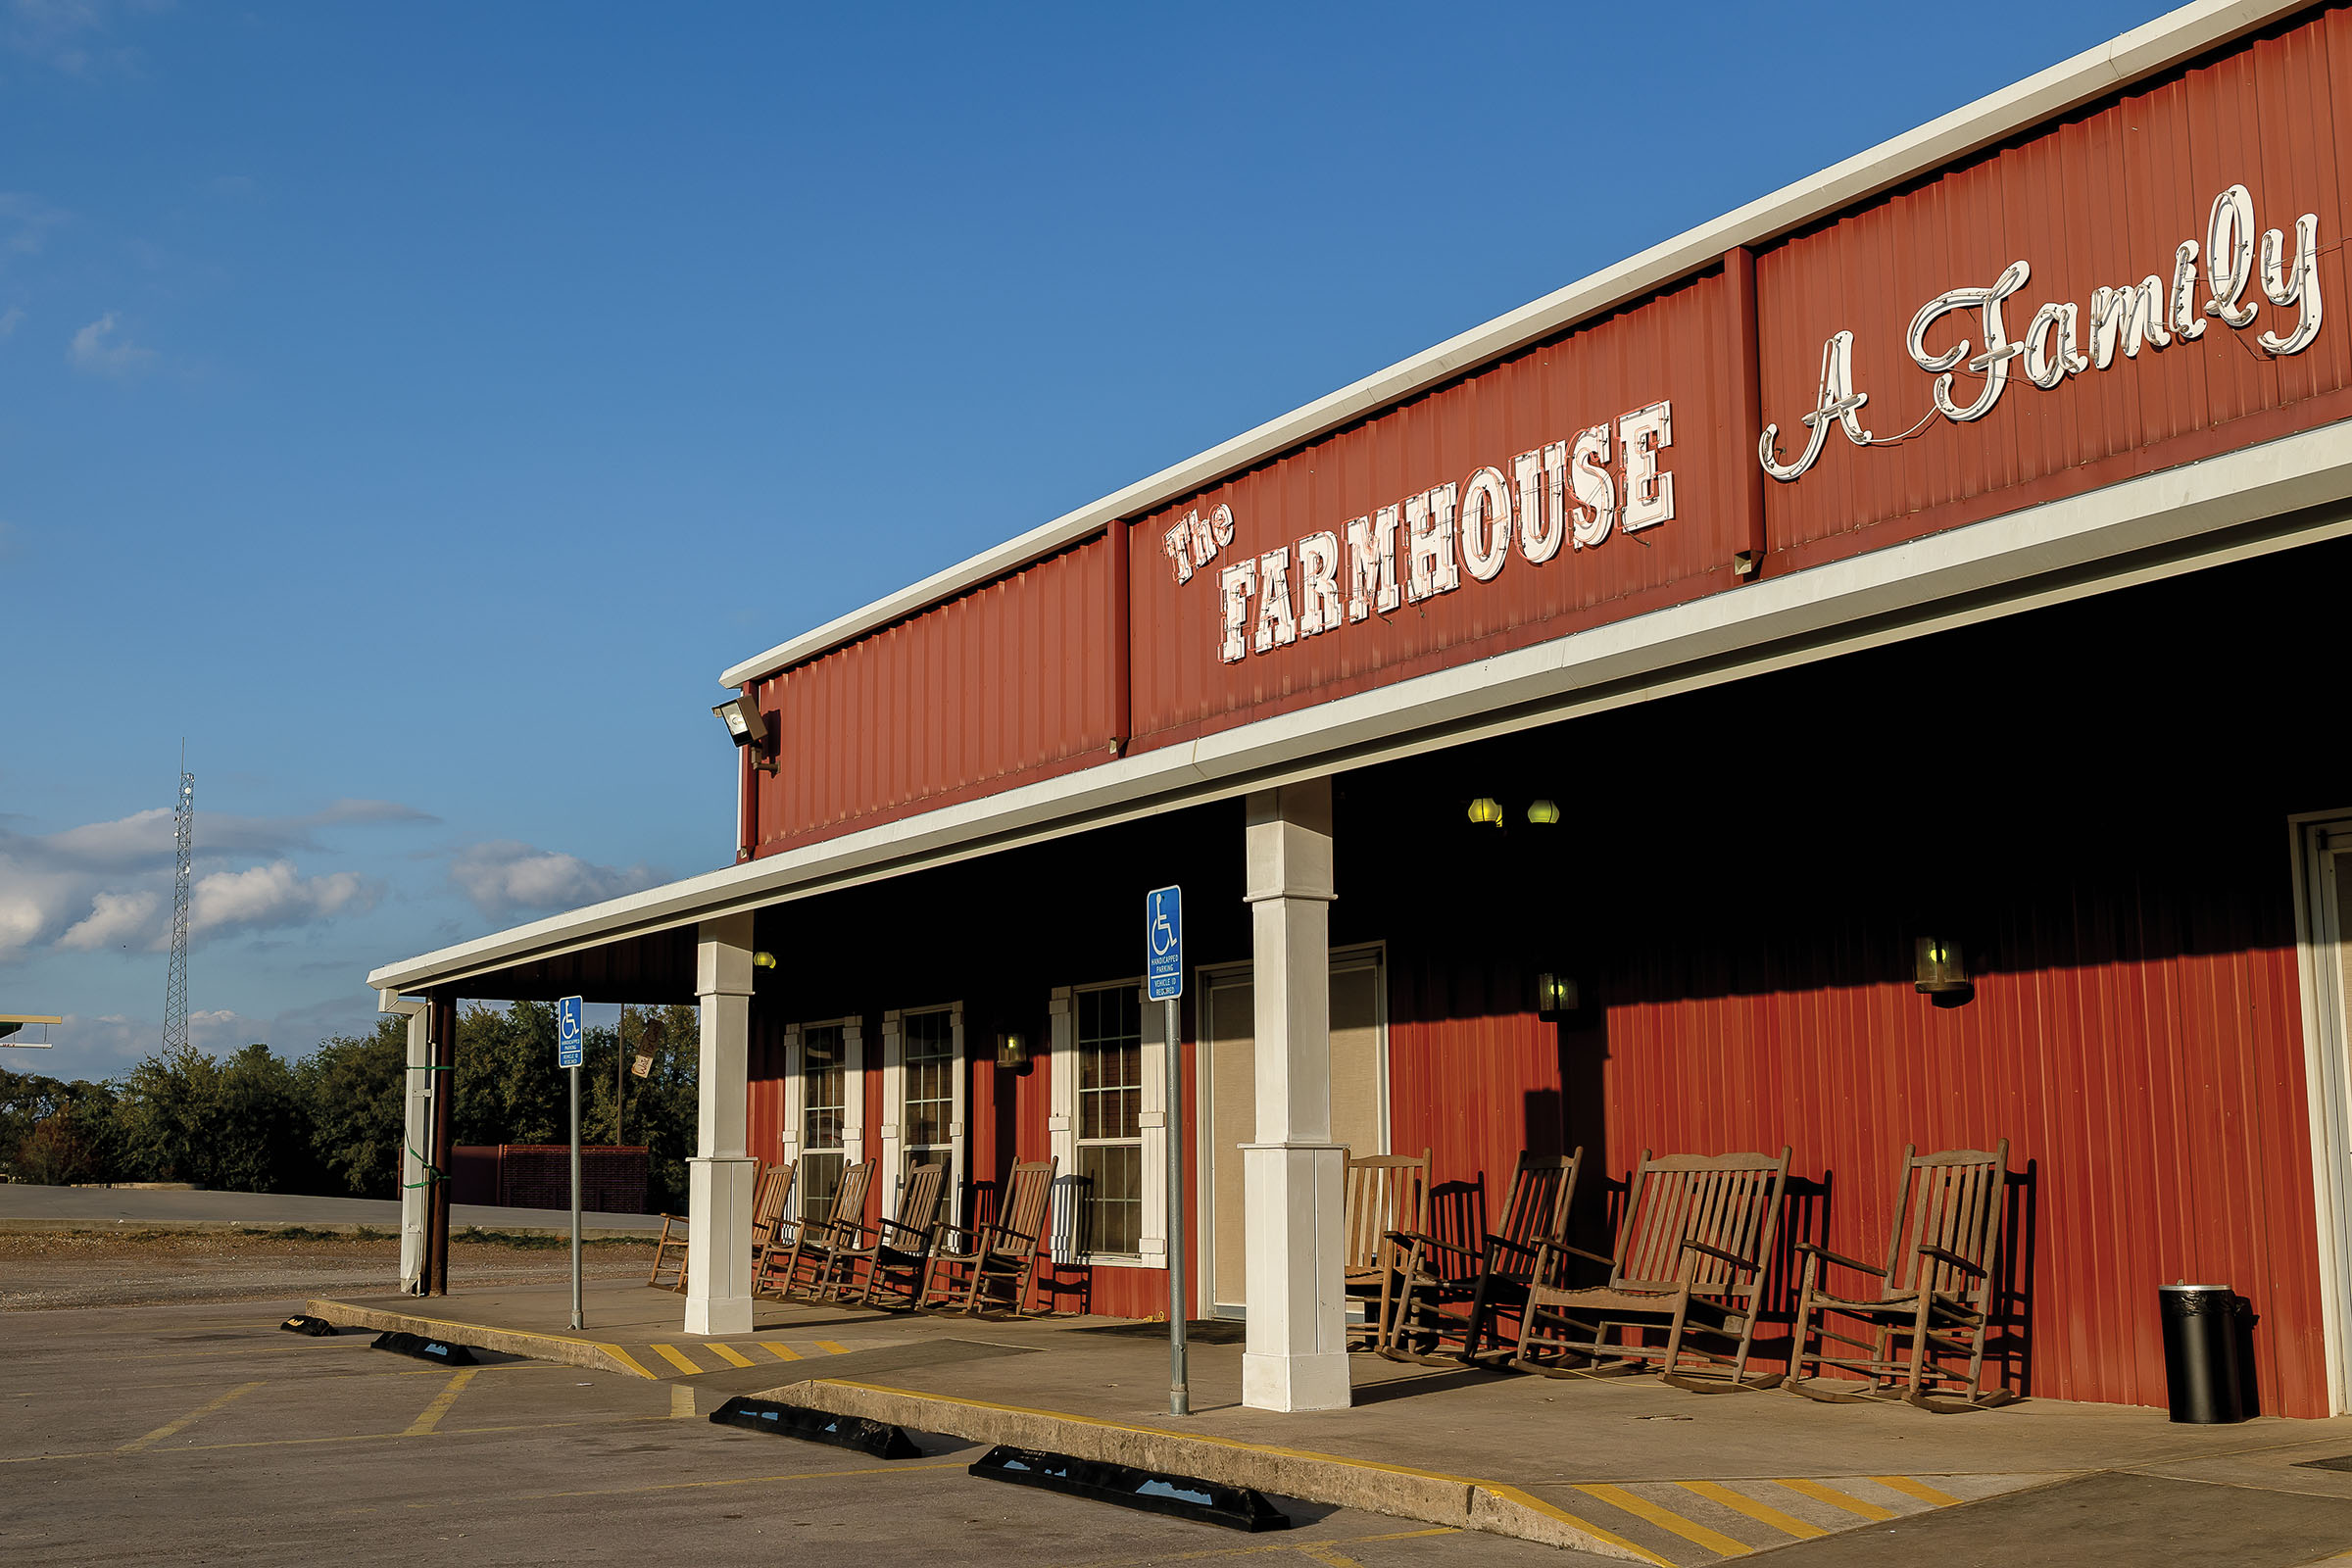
x: 2192, y: 1287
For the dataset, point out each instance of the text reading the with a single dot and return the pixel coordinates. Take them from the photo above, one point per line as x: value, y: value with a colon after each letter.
x: 1572, y: 493
x: 2154, y: 311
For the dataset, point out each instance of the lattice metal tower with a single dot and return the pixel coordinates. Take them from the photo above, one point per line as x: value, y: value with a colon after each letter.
x: 176, y: 988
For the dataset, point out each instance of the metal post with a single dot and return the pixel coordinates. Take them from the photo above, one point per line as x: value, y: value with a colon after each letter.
x: 1180, y: 1397
x: 575, y: 1199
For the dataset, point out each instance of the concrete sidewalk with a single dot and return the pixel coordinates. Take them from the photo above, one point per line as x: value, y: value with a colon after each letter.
x: 24, y: 1206
x: 1627, y: 1469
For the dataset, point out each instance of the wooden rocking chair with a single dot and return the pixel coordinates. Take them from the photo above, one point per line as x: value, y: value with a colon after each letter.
x: 1691, y: 1251
x: 1002, y: 1254
x: 1388, y: 1195
x: 1436, y: 1278
x: 768, y: 1203
x: 1936, y: 1291
x: 816, y: 1243
x: 899, y: 1247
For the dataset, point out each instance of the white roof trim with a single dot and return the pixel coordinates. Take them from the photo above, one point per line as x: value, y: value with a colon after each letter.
x: 1985, y: 570
x: 2144, y: 51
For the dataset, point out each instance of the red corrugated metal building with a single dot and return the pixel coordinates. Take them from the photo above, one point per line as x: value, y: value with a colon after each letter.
x: 1944, y: 548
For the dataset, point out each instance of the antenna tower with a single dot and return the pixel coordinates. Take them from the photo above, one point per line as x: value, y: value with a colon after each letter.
x: 176, y: 988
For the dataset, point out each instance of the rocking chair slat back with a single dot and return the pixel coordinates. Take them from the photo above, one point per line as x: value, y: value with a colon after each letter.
x: 1951, y: 1202
x: 1536, y: 1209
x: 848, y: 1199
x: 919, y: 1198
x: 768, y: 1204
x: 1022, y: 1216
x: 1385, y: 1193
x: 1727, y: 1203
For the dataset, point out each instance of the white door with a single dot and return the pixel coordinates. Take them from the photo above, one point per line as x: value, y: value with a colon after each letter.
x: 2324, y: 932
x: 1229, y: 1099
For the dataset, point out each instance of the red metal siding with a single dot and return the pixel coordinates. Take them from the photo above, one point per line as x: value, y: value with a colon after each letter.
x: 1001, y: 686
x: 2100, y: 200
x: 1675, y: 348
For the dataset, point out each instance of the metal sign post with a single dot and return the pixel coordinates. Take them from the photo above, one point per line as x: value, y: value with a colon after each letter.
x: 1163, y: 968
x: 568, y: 1052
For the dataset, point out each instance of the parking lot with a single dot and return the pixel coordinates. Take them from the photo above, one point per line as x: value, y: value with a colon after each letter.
x: 205, y: 1433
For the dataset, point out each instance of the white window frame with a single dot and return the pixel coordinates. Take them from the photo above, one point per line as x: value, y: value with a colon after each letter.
x: 853, y: 1090
x: 1061, y: 1122
x: 894, y: 1103
x: 2316, y: 837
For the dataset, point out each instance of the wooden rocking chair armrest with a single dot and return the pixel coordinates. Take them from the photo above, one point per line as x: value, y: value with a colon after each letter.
x: 987, y: 1238
x: 921, y: 1233
x: 1596, y: 1257
x: 1732, y: 1258
x: 1925, y: 1249
x: 1855, y: 1264
x: 1431, y: 1244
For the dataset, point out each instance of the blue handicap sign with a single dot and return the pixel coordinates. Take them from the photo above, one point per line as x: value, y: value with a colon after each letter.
x: 567, y: 1032
x: 1163, y: 944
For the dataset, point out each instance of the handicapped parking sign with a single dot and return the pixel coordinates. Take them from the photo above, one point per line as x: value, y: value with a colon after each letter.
x: 1163, y: 944
x: 567, y: 1032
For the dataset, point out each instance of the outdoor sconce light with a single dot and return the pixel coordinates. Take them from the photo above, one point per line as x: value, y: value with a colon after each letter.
x: 1485, y: 811
x: 1940, y: 972
x: 1555, y: 996
x: 763, y: 960
x: 746, y: 727
x: 1012, y: 1051
x: 1544, y: 813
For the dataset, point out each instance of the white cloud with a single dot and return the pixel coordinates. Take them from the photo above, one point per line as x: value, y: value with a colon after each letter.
x: 504, y: 876
x: 99, y: 352
x: 26, y: 222
x: 115, y: 919
x: 263, y: 896
x: 10, y: 319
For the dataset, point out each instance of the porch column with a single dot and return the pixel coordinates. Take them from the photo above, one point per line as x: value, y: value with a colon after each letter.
x: 1292, y: 1177
x: 719, y: 1177
x: 417, y: 1127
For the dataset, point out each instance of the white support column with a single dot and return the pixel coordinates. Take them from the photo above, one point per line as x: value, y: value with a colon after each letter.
x: 720, y: 1176
x: 1293, y: 1176
x: 416, y: 1137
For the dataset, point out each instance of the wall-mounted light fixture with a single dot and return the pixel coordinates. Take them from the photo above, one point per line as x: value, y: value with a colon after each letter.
x: 1012, y: 1051
x: 1544, y: 813
x: 1940, y: 971
x: 763, y: 960
x: 1556, y: 995
x: 1485, y: 811
x: 746, y: 728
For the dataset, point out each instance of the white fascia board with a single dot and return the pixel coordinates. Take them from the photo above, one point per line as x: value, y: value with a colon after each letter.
x: 1977, y: 572
x: 2144, y: 51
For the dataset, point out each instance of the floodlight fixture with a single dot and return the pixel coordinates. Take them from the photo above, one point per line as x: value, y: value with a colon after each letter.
x: 742, y: 717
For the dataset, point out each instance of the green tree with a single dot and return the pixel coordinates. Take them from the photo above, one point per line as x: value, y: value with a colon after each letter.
x: 54, y: 1132
x: 239, y: 1124
x: 353, y: 1087
x: 510, y: 1089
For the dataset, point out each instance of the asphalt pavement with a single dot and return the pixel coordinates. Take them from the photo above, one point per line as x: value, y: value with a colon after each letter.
x: 24, y: 1203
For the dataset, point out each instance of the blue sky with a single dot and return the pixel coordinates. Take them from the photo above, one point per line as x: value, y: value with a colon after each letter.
x: 415, y: 406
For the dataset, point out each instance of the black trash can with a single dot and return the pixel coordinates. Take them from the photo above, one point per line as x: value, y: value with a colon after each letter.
x: 2200, y: 1353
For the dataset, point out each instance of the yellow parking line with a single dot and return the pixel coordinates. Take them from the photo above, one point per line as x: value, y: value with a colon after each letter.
x: 681, y: 1401
x: 1536, y: 1504
x: 780, y: 1350
x: 1761, y: 1513
x: 1690, y: 1529
x: 1916, y: 1488
x: 630, y: 1361
x: 430, y: 1416
x: 140, y: 1444
x: 1320, y: 1552
x: 729, y: 1354
x: 831, y: 1348
x: 1821, y: 1492
x: 669, y: 1353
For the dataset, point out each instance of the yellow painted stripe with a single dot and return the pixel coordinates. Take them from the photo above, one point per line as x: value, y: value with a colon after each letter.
x: 780, y: 1350
x: 170, y: 1428
x: 831, y: 1348
x: 1538, y: 1506
x: 630, y: 1361
x: 1916, y: 1488
x: 1822, y: 1493
x: 430, y: 1416
x: 729, y: 1354
x: 1763, y: 1513
x: 669, y: 1353
x: 681, y: 1401
x: 1690, y: 1529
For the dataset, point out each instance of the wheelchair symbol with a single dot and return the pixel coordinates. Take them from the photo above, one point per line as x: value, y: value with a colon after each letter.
x: 1163, y: 935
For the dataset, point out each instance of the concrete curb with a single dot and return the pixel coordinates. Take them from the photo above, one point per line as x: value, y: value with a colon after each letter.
x: 377, y: 1231
x: 595, y: 1354
x: 1432, y: 1497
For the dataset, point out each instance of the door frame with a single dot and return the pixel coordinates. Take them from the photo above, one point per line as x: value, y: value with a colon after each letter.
x: 1204, y: 1189
x: 2318, y: 841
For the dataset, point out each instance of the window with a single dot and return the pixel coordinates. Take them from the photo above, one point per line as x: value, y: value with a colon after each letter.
x: 1109, y: 1118
x: 824, y: 1108
x: 930, y: 1102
